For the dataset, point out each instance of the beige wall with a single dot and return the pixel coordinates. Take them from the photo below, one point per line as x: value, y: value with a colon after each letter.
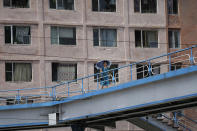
x: 41, y: 18
x: 41, y: 53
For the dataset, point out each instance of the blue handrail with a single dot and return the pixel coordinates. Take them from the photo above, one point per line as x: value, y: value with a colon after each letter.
x: 177, y: 122
x: 82, y: 79
x: 188, y: 118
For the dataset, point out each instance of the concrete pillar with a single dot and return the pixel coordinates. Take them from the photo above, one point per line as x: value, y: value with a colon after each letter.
x: 41, y: 41
x: 78, y: 128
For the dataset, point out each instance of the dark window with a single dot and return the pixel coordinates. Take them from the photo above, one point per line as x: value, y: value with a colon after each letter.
x: 52, y: 4
x: 8, y: 34
x: 64, y: 72
x: 136, y: 5
x: 10, y: 102
x: 145, y: 6
x: 146, y: 39
x: 22, y: 101
x: 105, y: 37
x: 62, y: 4
x: 116, y: 75
x: 96, y: 37
x: 142, y: 71
x: 138, y: 38
x: 17, y: 35
x: 7, y: 3
x: 9, y: 71
x: 95, y: 6
x: 18, y: 72
x: 172, y: 6
x: 16, y: 3
x: 176, y: 66
x: 104, y: 5
x: 54, y: 71
x: 63, y: 35
x: 174, y: 38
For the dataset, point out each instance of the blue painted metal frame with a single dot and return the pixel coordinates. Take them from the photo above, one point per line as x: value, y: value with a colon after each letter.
x: 53, y: 88
x: 188, y: 118
x: 177, y: 122
x: 112, y: 89
x: 107, y: 90
x: 146, y: 120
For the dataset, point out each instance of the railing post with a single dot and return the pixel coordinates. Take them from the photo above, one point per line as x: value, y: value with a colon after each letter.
x: 97, y: 80
x: 131, y: 72
x: 149, y: 68
x: 191, y: 57
x: 53, y: 93
x: 169, y: 62
x: 26, y: 99
x: 68, y: 90
x: 175, y: 118
x: 113, y: 78
x: 82, y: 86
x: 18, y: 96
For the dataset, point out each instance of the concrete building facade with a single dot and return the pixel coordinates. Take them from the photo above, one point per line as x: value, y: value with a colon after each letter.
x: 33, y: 35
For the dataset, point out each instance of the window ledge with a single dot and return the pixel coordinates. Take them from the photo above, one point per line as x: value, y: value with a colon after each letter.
x: 15, y: 8
x: 173, y: 14
x: 62, y: 10
x: 147, y: 47
x: 17, y: 44
x: 175, y: 48
x: 19, y: 82
x: 146, y: 13
x: 63, y: 45
x: 105, y: 12
x: 105, y: 48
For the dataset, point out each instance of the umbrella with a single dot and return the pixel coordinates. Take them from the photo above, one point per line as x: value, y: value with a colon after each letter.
x: 99, y: 65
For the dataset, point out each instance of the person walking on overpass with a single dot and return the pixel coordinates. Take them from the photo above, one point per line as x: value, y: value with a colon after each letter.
x: 104, y: 67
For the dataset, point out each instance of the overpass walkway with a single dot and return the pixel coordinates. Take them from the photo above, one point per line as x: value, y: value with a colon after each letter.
x: 160, y: 84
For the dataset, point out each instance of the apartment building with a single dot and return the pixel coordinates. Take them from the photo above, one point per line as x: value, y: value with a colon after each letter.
x: 44, y: 42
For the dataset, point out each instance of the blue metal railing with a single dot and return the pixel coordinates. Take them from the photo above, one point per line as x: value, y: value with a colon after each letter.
x: 177, y: 122
x: 188, y: 118
x: 92, y: 82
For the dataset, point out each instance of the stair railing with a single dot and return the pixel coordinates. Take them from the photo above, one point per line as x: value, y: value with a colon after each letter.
x: 177, y: 122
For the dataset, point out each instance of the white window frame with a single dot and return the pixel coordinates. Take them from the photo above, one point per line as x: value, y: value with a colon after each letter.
x: 173, y: 38
x: 141, y: 8
x: 12, y: 39
x: 176, y: 65
x: 15, y: 62
x: 99, y: 30
x: 99, y: 10
x: 56, y: 8
x: 58, y: 35
x: 11, y: 6
x: 143, y: 66
x: 173, y: 8
x: 64, y: 63
x: 142, y: 41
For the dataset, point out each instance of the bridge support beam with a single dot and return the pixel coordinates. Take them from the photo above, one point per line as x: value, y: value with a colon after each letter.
x: 78, y: 128
x: 97, y: 128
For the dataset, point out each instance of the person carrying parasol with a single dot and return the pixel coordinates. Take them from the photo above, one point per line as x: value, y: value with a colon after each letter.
x: 104, y: 66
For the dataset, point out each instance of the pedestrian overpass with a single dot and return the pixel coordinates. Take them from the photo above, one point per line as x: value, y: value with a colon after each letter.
x: 160, y: 87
